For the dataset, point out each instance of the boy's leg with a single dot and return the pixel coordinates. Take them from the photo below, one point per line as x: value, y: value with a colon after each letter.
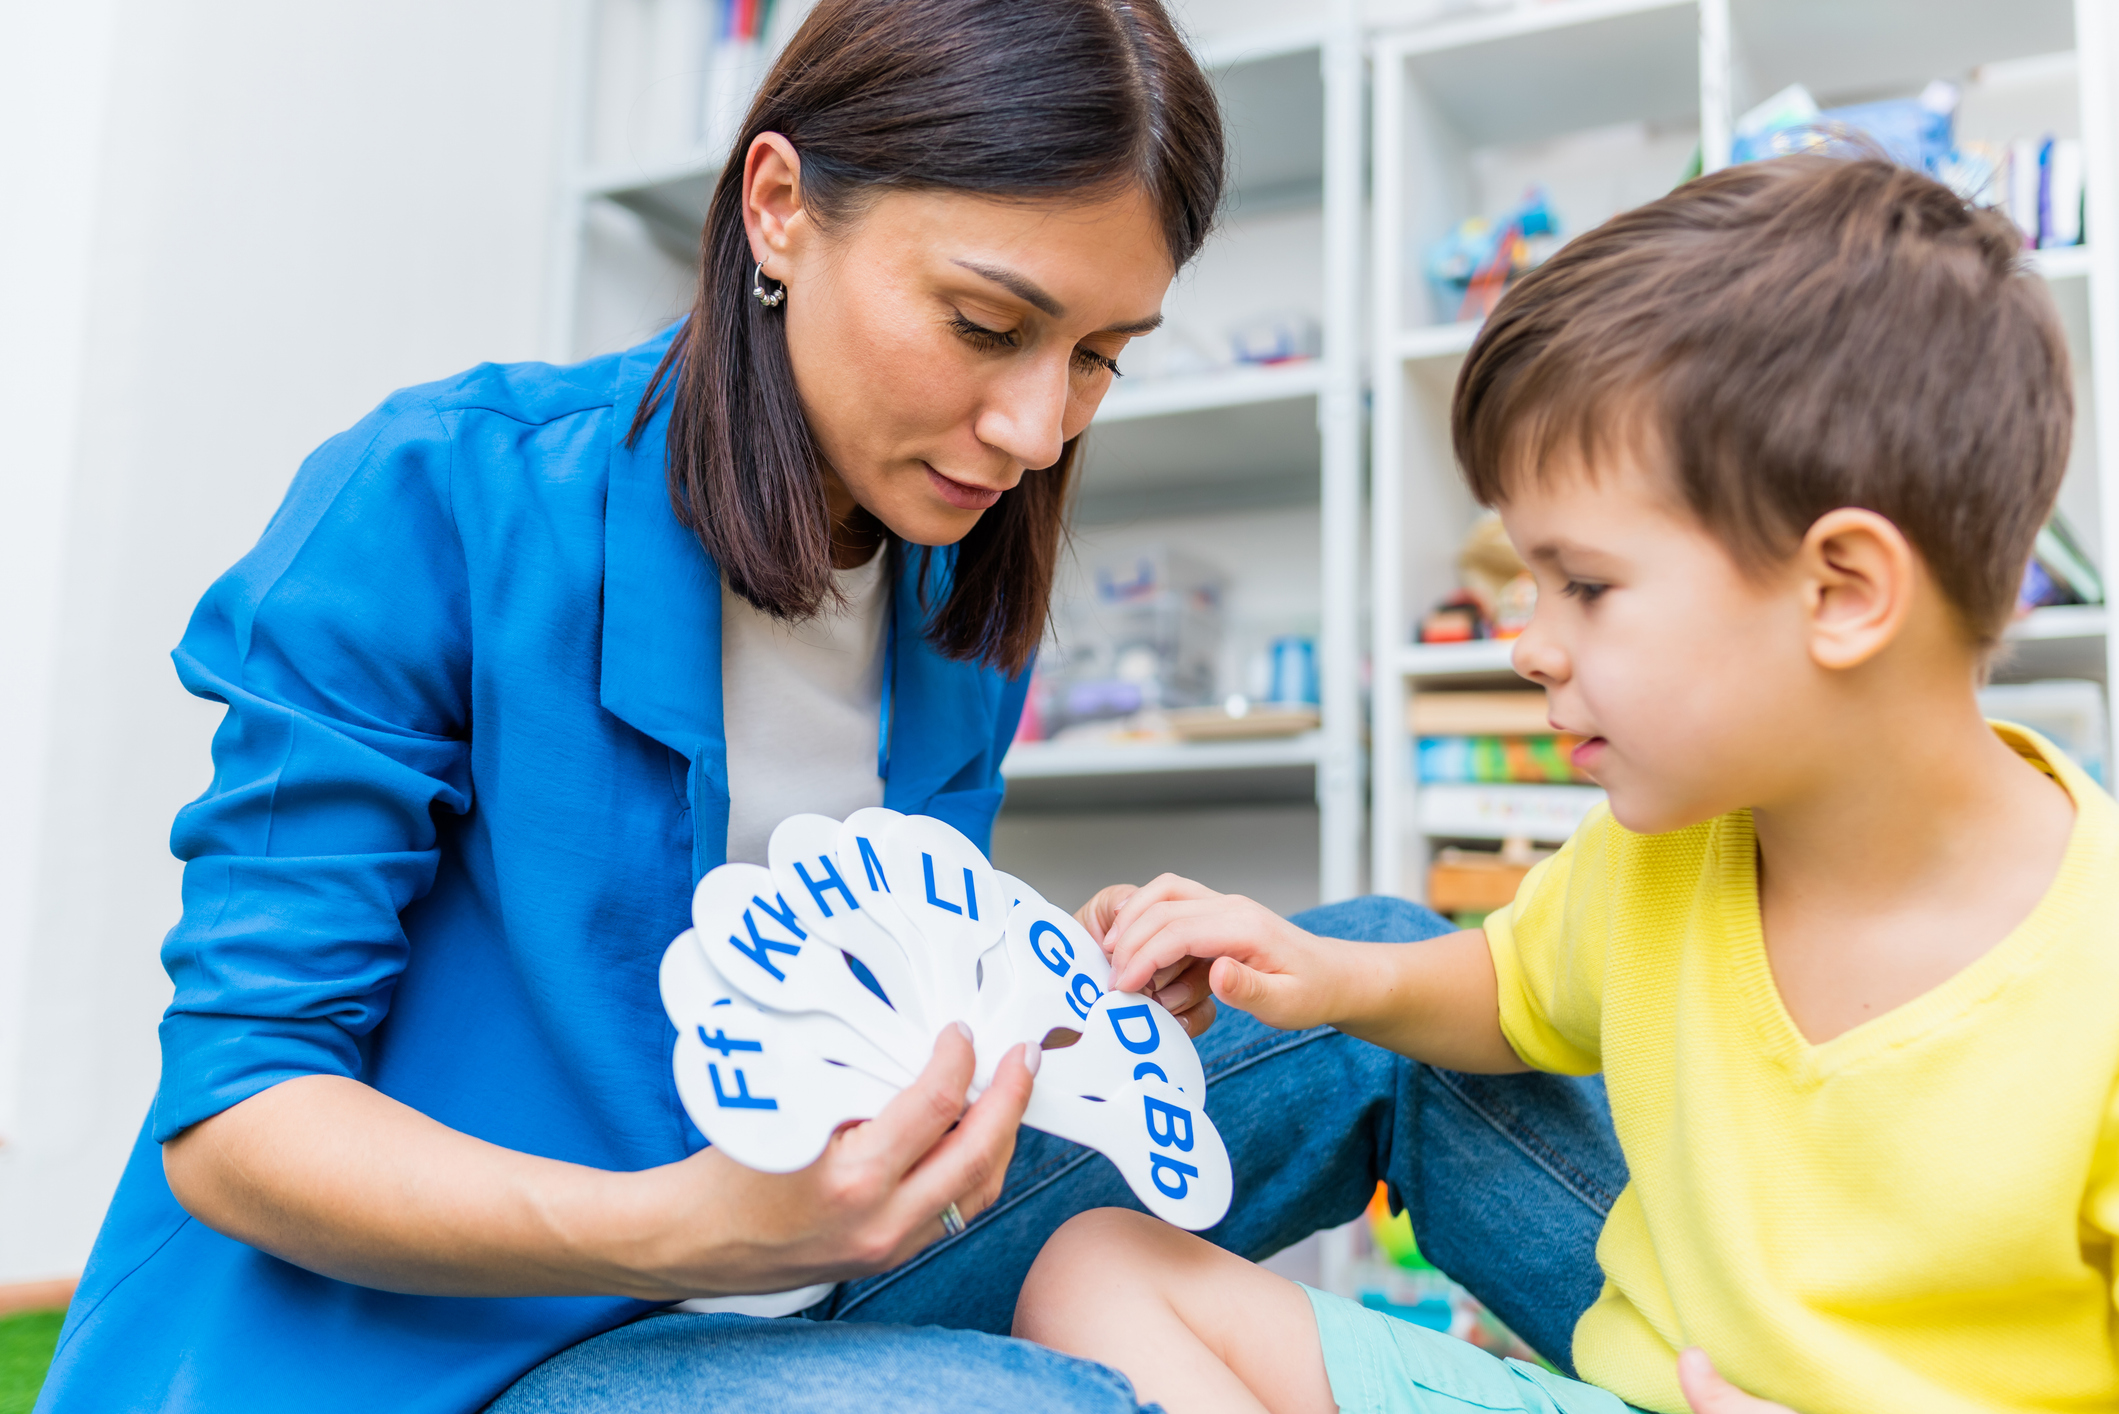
x: 680, y: 1363
x: 1508, y: 1177
x: 1198, y: 1328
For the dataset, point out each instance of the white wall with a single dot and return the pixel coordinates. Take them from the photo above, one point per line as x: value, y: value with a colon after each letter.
x: 233, y: 226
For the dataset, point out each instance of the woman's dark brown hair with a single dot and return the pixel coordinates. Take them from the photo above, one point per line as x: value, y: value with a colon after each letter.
x: 1019, y: 99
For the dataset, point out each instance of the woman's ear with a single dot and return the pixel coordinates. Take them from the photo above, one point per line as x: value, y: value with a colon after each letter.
x: 772, y: 203
x: 1858, y: 574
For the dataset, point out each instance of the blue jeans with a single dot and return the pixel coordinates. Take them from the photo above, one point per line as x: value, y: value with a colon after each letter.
x: 1508, y: 1179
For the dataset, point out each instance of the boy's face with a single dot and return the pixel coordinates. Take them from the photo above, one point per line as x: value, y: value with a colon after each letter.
x: 1690, y: 680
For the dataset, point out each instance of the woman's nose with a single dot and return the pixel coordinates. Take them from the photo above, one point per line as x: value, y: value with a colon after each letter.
x: 1024, y: 415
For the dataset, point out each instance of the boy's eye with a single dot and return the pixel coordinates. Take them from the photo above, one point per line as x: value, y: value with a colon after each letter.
x: 1584, y: 590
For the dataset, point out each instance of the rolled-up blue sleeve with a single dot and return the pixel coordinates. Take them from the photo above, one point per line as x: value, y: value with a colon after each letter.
x: 341, y: 647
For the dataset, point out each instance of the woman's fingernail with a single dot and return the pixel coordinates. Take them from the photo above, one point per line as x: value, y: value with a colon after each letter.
x: 962, y: 1029
x: 1033, y: 1057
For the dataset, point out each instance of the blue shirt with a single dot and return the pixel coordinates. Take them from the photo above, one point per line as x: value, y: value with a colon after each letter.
x: 472, y: 765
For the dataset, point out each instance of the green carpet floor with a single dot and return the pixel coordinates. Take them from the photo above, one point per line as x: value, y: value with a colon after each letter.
x: 26, y: 1342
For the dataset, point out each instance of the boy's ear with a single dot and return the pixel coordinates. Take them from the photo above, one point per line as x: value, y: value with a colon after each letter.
x: 1857, y: 573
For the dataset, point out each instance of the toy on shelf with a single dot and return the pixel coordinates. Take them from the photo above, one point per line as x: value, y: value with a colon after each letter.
x: 808, y: 994
x: 1472, y: 267
x: 2038, y: 180
x: 1148, y: 639
x: 2060, y: 572
x: 1497, y: 596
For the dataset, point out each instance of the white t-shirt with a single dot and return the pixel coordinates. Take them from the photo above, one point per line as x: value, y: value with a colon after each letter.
x: 801, y: 704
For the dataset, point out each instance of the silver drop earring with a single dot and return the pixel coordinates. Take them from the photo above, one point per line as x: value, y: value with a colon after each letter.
x: 757, y: 288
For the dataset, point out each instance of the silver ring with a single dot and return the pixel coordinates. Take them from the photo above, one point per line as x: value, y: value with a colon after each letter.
x: 952, y: 1221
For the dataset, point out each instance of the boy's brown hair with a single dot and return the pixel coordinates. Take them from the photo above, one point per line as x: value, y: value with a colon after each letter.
x: 1794, y: 336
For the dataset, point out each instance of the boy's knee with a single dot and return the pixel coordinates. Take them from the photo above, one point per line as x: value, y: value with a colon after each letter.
x: 1081, y: 1258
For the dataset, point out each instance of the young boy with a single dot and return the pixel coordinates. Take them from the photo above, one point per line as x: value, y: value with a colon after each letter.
x: 1775, y: 447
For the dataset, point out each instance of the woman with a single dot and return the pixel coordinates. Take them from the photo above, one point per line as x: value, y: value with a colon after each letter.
x: 528, y: 651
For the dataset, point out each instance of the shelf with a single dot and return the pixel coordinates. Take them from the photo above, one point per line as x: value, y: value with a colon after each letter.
x: 1436, y: 341
x: 1598, y: 62
x: 670, y: 196
x: 1055, y: 776
x: 2067, y: 262
x: 1481, y: 657
x: 1887, y: 46
x: 1546, y: 814
x: 1235, y: 439
x: 1203, y: 392
x: 1489, y: 657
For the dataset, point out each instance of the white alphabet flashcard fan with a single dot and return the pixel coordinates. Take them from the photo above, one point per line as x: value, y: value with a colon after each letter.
x: 807, y: 994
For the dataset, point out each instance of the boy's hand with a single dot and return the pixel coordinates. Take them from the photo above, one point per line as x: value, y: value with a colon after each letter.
x: 1254, y: 959
x: 1181, y: 988
x: 1708, y: 1393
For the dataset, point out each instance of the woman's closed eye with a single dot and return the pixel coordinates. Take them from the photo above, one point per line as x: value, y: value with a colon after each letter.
x: 997, y: 340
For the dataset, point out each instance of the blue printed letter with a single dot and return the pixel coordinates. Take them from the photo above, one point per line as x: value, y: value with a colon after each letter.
x: 743, y: 1099
x: 820, y: 887
x: 1119, y: 1016
x: 1082, y: 993
x: 1158, y: 1162
x: 872, y: 866
x: 1175, y: 1129
x: 1052, y: 959
x: 927, y: 863
x: 764, y: 948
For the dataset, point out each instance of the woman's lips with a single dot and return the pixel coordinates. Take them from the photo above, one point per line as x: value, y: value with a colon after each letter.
x: 961, y: 494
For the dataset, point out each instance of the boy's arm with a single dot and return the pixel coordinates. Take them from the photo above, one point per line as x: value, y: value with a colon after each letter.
x: 1436, y: 1001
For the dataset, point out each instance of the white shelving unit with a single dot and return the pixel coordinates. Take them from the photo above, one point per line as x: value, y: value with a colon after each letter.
x: 1604, y: 102
x: 1254, y: 468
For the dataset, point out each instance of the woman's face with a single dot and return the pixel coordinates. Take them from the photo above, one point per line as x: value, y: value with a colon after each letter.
x: 945, y: 345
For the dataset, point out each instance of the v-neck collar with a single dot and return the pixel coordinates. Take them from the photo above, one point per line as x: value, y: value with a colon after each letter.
x: 661, y: 650
x: 1735, y: 866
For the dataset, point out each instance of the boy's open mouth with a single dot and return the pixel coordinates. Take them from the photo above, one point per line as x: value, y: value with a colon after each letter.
x: 1589, y: 753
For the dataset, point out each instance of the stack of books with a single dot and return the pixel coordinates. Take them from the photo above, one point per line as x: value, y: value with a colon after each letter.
x: 1491, y: 767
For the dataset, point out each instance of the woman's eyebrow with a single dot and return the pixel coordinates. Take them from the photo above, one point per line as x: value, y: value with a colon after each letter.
x: 1034, y: 295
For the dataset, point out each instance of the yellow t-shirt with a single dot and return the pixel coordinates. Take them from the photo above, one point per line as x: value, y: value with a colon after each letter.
x: 1915, y: 1217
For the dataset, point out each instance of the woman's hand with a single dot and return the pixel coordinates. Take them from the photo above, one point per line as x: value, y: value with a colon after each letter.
x: 873, y: 1200
x: 339, y: 1178
x: 1708, y: 1393
x: 1244, y: 953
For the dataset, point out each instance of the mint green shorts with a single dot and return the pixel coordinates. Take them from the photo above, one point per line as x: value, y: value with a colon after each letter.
x: 1381, y: 1365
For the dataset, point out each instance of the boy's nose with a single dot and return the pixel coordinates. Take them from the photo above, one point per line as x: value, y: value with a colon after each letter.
x: 1538, y: 658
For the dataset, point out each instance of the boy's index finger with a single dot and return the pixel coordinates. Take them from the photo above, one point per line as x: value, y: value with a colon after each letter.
x: 1163, y: 888
x: 1161, y: 938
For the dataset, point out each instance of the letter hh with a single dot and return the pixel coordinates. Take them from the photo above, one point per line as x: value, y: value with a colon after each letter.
x: 818, y: 888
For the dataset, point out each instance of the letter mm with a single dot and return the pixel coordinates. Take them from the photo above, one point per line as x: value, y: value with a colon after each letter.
x: 872, y: 866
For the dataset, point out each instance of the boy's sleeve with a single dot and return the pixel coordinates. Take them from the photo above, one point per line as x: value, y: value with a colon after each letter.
x: 341, y: 648
x: 1548, y: 952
